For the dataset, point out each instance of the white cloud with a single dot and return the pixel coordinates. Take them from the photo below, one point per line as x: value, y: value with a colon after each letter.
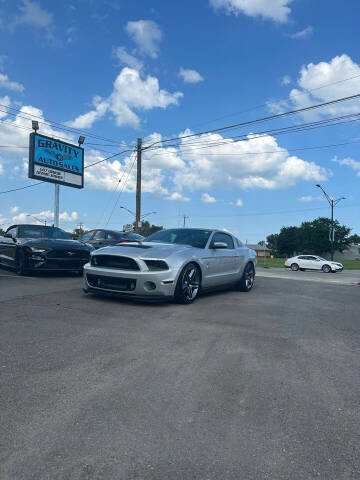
x: 190, y: 76
x: 232, y: 164
x: 130, y: 93
x: 45, y: 215
x: 348, y: 162
x: 9, y: 85
x: 5, y: 103
x: 14, y: 209
x: 276, y: 10
x: 127, y: 59
x: 32, y: 14
x: 206, y: 198
x: 239, y: 202
x: 285, y: 80
x: 305, y: 33
x: 178, y: 197
x: 87, y: 119
x: 323, y: 82
x: 147, y: 36
x: 1, y: 169
x: 310, y: 198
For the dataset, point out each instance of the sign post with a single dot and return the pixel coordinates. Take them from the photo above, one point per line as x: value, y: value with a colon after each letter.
x: 52, y: 160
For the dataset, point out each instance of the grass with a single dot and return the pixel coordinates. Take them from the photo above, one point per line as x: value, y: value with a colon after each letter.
x: 279, y: 263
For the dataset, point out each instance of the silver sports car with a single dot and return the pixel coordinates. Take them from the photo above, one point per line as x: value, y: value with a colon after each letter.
x: 172, y: 264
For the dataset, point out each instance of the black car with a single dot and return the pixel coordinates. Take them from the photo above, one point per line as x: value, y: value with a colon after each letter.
x: 106, y: 238
x: 38, y: 247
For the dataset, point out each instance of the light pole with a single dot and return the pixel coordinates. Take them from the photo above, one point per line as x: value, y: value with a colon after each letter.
x: 38, y: 219
x: 134, y: 214
x: 332, y: 203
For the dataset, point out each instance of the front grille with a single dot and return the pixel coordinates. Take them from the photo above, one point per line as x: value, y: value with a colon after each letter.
x: 68, y: 254
x: 114, y: 261
x: 111, y: 283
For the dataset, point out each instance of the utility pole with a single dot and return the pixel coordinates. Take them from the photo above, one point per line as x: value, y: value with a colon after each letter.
x: 185, y: 217
x: 56, y: 206
x: 332, y: 203
x: 138, y: 185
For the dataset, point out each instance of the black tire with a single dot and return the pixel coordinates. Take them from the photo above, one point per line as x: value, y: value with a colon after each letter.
x: 20, y: 263
x: 188, y: 284
x: 302, y: 269
x: 326, y: 269
x: 247, y: 280
x: 294, y: 267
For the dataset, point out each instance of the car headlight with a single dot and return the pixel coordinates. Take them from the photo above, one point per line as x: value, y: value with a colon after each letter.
x: 154, y: 265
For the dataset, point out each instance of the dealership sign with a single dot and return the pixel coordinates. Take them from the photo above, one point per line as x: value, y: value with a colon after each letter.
x: 55, y: 161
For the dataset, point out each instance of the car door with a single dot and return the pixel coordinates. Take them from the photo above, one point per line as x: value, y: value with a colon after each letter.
x: 221, y: 264
x: 304, y: 261
x: 315, y: 263
x: 8, y: 248
x: 99, y: 239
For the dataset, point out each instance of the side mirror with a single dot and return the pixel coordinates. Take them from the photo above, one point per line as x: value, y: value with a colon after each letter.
x: 218, y: 245
x: 8, y: 235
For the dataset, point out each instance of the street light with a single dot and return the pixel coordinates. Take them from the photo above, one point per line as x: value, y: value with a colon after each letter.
x: 38, y: 219
x: 332, y: 203
x: 81, y: 140
x: 35, y: 125
x: 134, y: 214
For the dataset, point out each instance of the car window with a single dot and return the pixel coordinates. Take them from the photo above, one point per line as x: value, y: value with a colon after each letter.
x: 223, y: 238
x: 12, y: 231
x: 302, y: 257
x: 312, y: 258
x: 40, y: 231
x: 183, y: 236
x: 99, y: 235
x: 86, y: 237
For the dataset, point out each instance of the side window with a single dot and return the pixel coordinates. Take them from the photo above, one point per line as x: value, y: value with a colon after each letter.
x: 312, y: 258
x: 12, y: 231
x: 86, y: 237
x: 223, y: 238
x: 99, y: 235
x: 301, y: 257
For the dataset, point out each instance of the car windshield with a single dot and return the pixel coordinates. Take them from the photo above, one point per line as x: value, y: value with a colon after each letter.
x: 182, y: 236
x: 39, y: 231
x: 321, y: 258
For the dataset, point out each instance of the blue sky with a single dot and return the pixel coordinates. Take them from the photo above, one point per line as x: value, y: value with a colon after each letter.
x: 153, y: 69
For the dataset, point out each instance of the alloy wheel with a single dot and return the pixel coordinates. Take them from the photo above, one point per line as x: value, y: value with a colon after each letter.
x: 249, y: 276
x: 190, y: 283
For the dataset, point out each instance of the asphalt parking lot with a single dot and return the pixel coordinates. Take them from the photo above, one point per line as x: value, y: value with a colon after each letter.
x: 264, y: 385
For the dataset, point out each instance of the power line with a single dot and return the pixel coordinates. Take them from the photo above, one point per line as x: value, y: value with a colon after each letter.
x: 281, y: 100
x: 51, y: 123
x: 87, y: 166
x: 121, y: 191
x: 263, y: 119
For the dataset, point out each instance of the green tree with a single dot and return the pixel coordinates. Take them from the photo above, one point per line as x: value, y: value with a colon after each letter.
x: 77, y: 233
x: 272, y: 241
x: 314, y: 236
x: 146, y: 229
x: 262, y: 243
x: 288, y: 241
x: 355, y: 238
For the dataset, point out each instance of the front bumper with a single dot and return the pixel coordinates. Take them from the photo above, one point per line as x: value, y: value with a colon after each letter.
x: 38, y: 263
x: 130, y: 284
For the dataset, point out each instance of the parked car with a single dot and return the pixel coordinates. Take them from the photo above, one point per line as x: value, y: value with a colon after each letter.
x: 172, y: 264
x: 313, y: 262
x: 38, y: 247
x: 104, y: 238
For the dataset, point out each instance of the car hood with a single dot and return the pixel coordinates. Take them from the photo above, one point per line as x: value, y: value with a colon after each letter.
x: 145, y: 250
x: 48, y: 243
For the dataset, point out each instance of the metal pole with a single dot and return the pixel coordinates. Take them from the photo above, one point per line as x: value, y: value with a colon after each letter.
x: 332, y: 229
x: 56, y: 206
x: 138, y: 186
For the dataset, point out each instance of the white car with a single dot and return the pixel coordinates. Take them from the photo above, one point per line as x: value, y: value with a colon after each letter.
x: 312, y: 262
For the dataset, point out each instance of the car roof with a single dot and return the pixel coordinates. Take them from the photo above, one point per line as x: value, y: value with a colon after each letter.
x: 30, y: 225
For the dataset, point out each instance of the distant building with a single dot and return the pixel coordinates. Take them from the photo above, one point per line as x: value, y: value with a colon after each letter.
x: 261, y: 251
